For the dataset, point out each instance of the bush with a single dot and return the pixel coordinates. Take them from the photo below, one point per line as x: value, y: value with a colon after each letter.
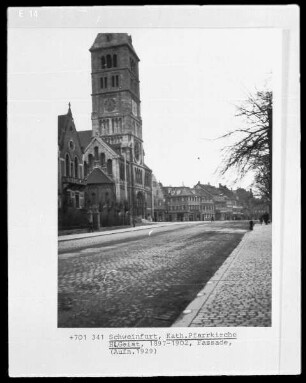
x: 72, y: 218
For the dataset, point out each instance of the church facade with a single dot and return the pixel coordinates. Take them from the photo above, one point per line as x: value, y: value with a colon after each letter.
x: 112, y: 156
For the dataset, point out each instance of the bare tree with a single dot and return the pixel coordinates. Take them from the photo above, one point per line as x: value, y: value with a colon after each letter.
x: 252, y: 152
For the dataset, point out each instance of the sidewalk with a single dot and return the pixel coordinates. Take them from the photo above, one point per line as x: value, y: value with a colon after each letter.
x: 239, y: 293
x: 124, y: 230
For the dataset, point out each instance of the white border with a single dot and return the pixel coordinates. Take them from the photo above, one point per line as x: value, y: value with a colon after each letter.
x: 40, y: 349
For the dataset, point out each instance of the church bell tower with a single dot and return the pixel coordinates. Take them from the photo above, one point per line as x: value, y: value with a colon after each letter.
x: 115, y: 94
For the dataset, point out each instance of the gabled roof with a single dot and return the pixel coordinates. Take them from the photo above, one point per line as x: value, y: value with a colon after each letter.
x: 85, y: 138
x: 97, y: 176
x: 65, y: 122
x: 146, y: 167
x: 212, y: 190
x: 116, y: 147
x: 177, y: 190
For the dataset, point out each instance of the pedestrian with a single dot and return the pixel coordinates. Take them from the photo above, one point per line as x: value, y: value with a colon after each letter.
x: 266, y: 218
x: 251, y: 224
x: 260, y: 220
x: 133, y: 222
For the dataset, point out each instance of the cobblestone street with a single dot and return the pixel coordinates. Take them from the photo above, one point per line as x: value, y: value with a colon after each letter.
x: 142, y: 279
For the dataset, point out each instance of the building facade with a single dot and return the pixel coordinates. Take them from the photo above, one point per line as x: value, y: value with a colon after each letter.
x: 207, y: 207
x: 159, y: 201
x: 71, y: 182
x: 110, y: 155
x: 116, y: 144
x: 186, y: 204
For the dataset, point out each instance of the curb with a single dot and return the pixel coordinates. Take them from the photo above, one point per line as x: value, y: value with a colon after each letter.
x: 102, y: 233
x: 191, y: 311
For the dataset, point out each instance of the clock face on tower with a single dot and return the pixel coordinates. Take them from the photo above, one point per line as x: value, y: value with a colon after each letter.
x: 110, y: 104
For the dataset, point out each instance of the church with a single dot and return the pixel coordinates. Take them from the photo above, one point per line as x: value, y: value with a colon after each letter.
x: 102, y: 173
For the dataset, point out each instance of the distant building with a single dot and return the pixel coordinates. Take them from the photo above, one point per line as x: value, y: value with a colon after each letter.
x: 207, y: 205
x: 185, y: 204
x: 226, y: 202
x: 159, y: 201
x: 259, y: 208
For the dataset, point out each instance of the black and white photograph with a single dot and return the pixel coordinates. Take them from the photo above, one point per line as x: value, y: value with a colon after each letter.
x: 141, y: 239
x: 156, y: 219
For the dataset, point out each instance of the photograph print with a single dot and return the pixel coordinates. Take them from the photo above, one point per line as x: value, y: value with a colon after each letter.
x: 164, y: 177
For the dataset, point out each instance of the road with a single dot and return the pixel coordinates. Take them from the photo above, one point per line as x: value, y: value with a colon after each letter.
x: 140, y: 278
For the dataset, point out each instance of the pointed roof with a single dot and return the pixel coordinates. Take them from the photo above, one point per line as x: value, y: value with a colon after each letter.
x: 107, y: 40
x: 177, y: 190
x: 69, y: 110
x: 64, y: 122
x: 85, y: 138
x: 97, y: 176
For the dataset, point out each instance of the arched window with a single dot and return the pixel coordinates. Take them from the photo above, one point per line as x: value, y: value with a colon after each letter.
x: 67, y: 165
x: 109, y: 61
x: 102, y: 159
x: 90, y: 160
x: 76, y: 167
x: 122, y: 171
x: 85, y: 169
x: 106, y: 197
x: 109, y: 167
x: 96, y: 149
x: 103, y: 64
x: 71, y: 168
x: 115, y: 61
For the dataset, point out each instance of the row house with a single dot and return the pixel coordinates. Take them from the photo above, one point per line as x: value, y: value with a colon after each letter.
x: 227, y: 205
x: 186, y: 204
x: 259, y: 208
x: 159, y: 201
x: 207, y: 207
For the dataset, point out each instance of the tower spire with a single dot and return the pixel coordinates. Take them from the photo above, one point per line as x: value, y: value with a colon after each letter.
x: 69, y: 109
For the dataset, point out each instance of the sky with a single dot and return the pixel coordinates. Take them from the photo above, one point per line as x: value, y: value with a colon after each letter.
x: 190, y: 81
